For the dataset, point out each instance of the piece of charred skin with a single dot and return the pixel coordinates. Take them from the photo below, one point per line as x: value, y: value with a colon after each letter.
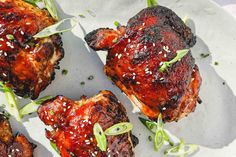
x: 13, y: 146
x: 135, y: 55
x: 27, y: 64
x: 73, y: 121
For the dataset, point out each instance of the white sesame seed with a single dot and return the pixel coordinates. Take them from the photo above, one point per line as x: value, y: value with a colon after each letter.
x: 119, y: 56
x: 160, y: 52
x: 129, y: 40
x: 4, y: 74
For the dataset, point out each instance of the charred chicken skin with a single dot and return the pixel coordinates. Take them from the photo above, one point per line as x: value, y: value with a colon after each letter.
x: 135, y: 55
x: 27, y: 64
x: 73, y: 121
x: 11, y: 146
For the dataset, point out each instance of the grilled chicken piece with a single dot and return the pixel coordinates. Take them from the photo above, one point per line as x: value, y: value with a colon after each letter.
x: 27, y: 64
x: 73, y: 121
x: 137, y: 51
x: 10, y: 146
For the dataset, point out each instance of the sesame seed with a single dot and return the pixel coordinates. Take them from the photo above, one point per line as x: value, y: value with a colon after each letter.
x: 129, y: 40
x: 119, y: 56
x: 160, y: 52
x: 4, y: 74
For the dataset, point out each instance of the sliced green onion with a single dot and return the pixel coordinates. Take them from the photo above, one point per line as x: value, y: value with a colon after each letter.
x: 150, y: 125
x: 181, y: 149
x: 49, y: 4
x: 119, y: 128
x: 60, y: 27
x: 151, y: 3
x: 159, y: 140
x: 100, y: 137
x: 117, y: 24
x: 12, y: 106
x: 10, y: 37
x: 179, y: 56
x: 33, y: 106
x: 54, y: 146
x: 33, y: 2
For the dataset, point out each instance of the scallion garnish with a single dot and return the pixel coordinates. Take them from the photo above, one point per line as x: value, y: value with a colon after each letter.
x: 179, y: 56
x: 117, y: 24
x: 33, y: 106
x: 181, y: 149
x: 151, y: 3
x: 162, y: 135
x: 33, y: 2
x: 10, y: 37
x: 60, y: 27
x: 116, y: 129
x: 51, y: 8
x: 54, y: 146
x: 100, y: 137
x: 204, y: 55
x: 12, y: 106
x: 119, y: 128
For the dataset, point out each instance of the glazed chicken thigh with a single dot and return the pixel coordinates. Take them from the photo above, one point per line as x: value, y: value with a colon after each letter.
x: 135, y: 55
x: 27, y: 64
x: 13, y: 146
x: 72, y: 125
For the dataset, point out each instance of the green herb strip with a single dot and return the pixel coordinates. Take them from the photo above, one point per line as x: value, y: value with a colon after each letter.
x: 49, y: 4
x: 54, y: 146
x: 117, y: 24
x: 100, y: 137
x: 151, y: 3
x: 33, y: 106
x: 33, y: 2
x: 119, y: 128
x: 179, y: 56
x: 60, y: 27
x: 12, y: 106
x: 181, y: 149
